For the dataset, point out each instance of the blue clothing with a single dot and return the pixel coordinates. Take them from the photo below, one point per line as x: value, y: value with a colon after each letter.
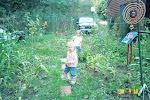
x: 71, y: 69
x: 79, y: 49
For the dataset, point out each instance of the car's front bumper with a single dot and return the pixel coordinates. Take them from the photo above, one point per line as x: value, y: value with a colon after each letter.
x: 86, y: 30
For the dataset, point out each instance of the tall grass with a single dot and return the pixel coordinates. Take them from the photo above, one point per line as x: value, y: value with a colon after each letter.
x: 60, y: 16
x: 33, y: 70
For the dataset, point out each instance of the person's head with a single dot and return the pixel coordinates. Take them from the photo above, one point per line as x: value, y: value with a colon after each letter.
x: 71, y: 47
x: 78, y: 33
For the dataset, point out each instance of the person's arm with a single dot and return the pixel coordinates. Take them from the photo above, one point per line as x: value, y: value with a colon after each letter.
x: 72, y: 39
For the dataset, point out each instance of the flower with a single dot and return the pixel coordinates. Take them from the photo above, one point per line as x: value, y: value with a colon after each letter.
x: 45, y: 22
x: 38, y: 20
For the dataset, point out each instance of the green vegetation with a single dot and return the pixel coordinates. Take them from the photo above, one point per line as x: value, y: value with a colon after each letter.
x: 101, y: 8
x: 30, y: 69
x: 60, y: 15
x: 33, y: 68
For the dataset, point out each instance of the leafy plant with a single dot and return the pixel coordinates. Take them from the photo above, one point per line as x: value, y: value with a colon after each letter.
x: 100, y: 63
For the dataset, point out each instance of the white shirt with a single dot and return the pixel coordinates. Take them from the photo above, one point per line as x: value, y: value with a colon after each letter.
x: 77, y: 40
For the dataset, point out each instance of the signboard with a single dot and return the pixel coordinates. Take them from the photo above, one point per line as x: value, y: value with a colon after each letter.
x: 129, y: 37
x: 92, y: 9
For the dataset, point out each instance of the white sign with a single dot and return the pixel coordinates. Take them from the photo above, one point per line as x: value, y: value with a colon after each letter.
x: 92, y: 9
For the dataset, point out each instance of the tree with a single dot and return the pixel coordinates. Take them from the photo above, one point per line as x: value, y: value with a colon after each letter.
x: 101, y: 8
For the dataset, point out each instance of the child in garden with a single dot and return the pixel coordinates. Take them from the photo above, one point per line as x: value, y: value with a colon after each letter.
x: 77, y: 39
x: 71, y: 63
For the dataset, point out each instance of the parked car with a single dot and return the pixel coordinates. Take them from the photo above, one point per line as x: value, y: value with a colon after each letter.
x: 85, y: 24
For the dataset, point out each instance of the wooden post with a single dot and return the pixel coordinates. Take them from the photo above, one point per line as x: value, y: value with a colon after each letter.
x: 131, y: 53
x: 128, y: 53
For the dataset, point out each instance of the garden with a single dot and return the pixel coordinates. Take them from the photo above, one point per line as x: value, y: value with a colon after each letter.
x: 30, y: 67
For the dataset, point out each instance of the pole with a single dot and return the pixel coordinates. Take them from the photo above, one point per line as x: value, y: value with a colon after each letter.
x: 140, y: 54
x: 140, y: 58
x: 93, y: 19
x: 131, y: 52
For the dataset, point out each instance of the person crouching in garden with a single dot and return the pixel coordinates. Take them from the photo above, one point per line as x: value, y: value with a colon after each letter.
x: 77, y: 39
x: 71, y: 63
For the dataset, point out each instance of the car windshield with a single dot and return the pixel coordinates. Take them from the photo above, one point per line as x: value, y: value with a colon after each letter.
x: 86, y: 20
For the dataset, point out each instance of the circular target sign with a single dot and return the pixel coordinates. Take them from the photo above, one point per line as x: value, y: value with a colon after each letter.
x: 133, y: 13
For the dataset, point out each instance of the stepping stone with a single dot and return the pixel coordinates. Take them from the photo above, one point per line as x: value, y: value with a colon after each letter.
x: 65, y: 90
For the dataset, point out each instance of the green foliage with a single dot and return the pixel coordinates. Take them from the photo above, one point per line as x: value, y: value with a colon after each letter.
x: 35, y: 26
x: 114, y: 31
x: 60, y: 15
x: 10, y: 64
x: 99, y: 63
x: 31, y: 69
x: 94, y: 30
x: 145, y: 24
x: 101, y: 8
x: 123, y: 27
x: 119, y: 28
x: 82, y: 56
x: 35, y: 67
x: 113, y: 27
x: 16, y: 68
